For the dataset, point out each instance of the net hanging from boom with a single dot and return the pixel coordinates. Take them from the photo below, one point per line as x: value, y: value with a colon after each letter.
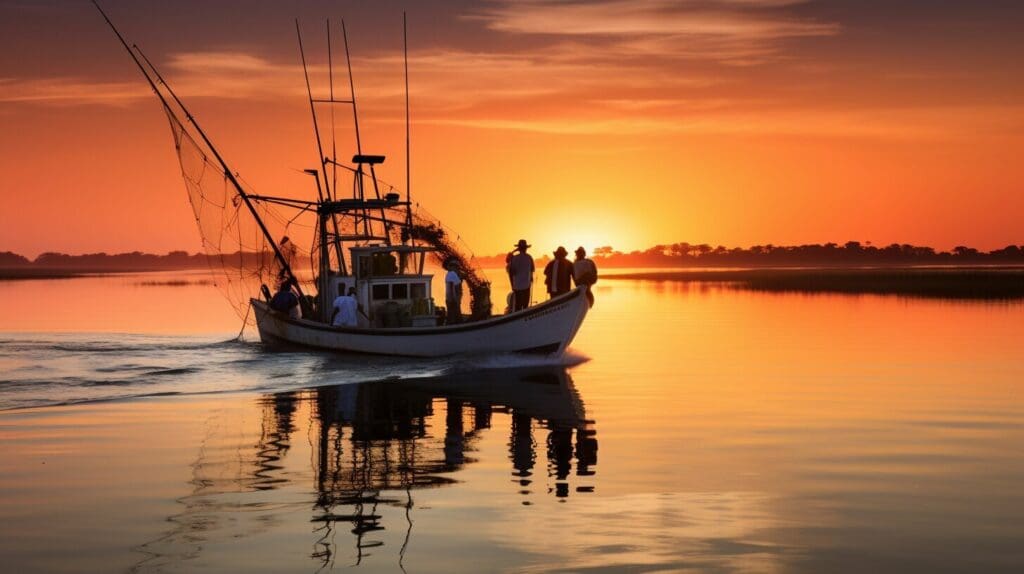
x: 253, y: 243
x: 238, y: 253
x: 240, y: 256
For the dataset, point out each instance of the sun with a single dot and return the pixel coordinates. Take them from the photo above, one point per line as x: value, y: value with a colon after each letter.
x: 589, y: 229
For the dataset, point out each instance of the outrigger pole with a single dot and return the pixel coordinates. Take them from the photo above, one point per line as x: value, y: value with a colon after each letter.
x: 227, y: 171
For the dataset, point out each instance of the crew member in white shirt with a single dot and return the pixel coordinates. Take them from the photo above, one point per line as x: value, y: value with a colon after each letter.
x: 346, y: 309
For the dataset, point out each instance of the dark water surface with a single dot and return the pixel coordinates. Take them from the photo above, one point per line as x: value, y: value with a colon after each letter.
x: 691, y: 429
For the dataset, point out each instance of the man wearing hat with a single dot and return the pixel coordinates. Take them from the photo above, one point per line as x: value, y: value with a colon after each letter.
x: 520, y: 273
x: 584, y: 272
x: 558, y: 273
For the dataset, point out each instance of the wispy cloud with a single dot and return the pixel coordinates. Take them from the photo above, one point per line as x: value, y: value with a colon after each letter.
x: 232, y: 75
x: 608, y: 67
x: 938, y: 122
x: 729, y: 31
x: 70, y: 91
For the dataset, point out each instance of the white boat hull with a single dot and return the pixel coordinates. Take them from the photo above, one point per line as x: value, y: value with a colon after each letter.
x: 546, y: 329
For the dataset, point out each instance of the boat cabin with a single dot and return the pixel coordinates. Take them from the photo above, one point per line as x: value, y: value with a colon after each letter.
x: 391, y: 286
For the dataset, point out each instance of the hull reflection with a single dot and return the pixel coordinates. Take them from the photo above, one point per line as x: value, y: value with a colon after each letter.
x: 347, y: 461
x: 379, y: 437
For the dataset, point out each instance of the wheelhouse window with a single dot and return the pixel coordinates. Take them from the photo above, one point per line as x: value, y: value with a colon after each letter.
x: 419, y: 290
x: 381, y: 292
x: 399, y: 291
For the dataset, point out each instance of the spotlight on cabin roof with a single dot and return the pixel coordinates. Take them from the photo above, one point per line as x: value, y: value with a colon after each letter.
x: 370, y: 159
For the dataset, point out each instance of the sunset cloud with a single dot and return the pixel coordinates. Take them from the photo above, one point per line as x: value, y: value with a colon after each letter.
x: 70, y: 91
x: 730, y: 31
x: 198, y: 74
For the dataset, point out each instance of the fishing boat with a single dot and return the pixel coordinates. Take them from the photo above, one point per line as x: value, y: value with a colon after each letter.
x: 371, y: 240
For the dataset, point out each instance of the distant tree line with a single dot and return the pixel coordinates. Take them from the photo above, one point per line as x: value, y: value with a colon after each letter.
x: 851, y: 253
x: 134, y: 261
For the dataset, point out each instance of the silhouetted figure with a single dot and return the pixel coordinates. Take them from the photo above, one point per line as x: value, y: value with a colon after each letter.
x: 560, y: 452
x: 584, y: 272
x: 521, y: 447
x: 453, y: 294
x: 285, y: 300
x: 558, y: 273
x: 586, y: 451
x: 520, y: 273
x: 454, y: 444
x: 482, y: 416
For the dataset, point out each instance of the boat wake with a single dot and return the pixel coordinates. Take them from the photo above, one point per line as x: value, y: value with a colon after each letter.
x: 498, y: 361
x: 61, y: 370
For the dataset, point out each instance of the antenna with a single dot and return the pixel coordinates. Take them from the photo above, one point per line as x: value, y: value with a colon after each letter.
x: 408, y: 160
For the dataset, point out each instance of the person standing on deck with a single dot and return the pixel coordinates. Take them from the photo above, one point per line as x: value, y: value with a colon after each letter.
x: 453, y: 294
x: 520, y: 273
x: 345, y: 308
x: 285, y: 301
x: 584, y: 272
x: 558, y: 274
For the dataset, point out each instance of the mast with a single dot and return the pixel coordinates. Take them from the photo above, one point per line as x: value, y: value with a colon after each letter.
x: 352, y: 88
x: 312, y: 111
x: 325, y: 193
x: 333, y: 192
x: 408, y: 160
x: 355, y: 121
x: 227, y: 171
x: 334, y: 142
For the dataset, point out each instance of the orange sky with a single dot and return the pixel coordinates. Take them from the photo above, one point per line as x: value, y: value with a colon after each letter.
x: 617, y: 122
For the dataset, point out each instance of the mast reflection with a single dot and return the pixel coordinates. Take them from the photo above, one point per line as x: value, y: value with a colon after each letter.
x: 375, y: 440
x: 348, y: 458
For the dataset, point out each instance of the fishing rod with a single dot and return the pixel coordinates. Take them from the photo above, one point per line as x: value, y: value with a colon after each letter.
x: 227, y: 171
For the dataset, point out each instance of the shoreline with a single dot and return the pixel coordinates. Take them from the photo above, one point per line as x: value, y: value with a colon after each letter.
x: 27, y: 273
x: 981, y: 282
x: 973, y: 282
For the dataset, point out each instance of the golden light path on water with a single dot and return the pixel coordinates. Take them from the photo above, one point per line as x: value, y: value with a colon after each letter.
x: 709, y: 429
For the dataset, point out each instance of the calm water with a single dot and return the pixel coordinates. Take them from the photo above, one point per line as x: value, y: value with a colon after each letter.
x: 690, y: 429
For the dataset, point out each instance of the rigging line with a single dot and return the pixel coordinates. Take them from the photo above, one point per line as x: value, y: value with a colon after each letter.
x: 245, y: 322
x: 227, y: 172
x: 312, y: 110
x: 351, y: 87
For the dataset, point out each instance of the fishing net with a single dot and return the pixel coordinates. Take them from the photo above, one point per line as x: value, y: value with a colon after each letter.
x: 429, y: 231
x: 238, y: 252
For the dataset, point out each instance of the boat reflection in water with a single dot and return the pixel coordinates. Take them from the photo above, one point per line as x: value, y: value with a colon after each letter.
x: 370, y: 447
x: 377, y: 437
